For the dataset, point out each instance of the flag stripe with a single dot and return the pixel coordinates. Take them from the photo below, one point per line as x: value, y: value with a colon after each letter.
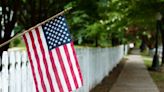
x: 41, y: 59
x: 63, y: 68
x: 74, y: 64
x: 44, y: 60
x: 47, y: 56
x: 67, y: 66
x: 34, y: 62
x: 70, y: 65
x: 77, y: 64
x: 31, y: 64
x: 56, y: 73
x: 38, y: 63
x: 60, y: 72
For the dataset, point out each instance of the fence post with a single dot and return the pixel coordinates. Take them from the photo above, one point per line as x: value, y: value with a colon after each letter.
x: 5, y: 72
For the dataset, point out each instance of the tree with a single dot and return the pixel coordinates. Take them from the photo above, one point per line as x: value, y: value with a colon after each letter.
x: 8, y: 18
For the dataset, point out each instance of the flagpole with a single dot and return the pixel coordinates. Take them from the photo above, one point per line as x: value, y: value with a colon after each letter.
x: 18, y: 35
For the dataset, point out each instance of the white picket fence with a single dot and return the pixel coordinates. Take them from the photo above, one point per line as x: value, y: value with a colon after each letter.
x: 95, y: 63
x: 16, y: 74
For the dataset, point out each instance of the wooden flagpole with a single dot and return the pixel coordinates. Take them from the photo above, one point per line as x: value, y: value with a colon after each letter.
x: 18, y: 35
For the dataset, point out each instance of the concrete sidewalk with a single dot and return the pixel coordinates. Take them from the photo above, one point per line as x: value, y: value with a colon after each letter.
x: 134, y: 77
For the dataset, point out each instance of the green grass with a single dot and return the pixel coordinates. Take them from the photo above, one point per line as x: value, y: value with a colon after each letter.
x: 147, y: 61
x: 157, y: 76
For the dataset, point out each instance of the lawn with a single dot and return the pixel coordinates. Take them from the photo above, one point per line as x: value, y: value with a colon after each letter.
x: 157, y: 76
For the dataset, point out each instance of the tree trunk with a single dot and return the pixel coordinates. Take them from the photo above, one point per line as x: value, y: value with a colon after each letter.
x: 162, y: 36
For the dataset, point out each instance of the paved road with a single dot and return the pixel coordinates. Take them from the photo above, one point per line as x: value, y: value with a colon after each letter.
x: 134, y: 77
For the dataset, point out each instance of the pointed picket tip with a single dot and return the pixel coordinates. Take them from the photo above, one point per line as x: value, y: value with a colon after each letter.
x: 12, y: 57
x: 24, y: 57
x: 5, y: 58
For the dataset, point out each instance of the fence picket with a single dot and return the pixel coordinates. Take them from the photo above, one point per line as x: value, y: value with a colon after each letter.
x: 18, y: 72
x: 24, y: 72
x: 12, y: 79
x: 5, y: 72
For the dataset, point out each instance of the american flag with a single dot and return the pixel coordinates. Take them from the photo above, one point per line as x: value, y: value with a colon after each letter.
x: 52, y: 57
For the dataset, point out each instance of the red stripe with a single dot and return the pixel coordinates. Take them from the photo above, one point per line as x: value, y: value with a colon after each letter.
x: 70, y: 65
x: 77, y: 64
x: 63, y: 69
x: 38, y: 62
x: 31, y: 63
x: 56, y: 73
x: 44, y: 59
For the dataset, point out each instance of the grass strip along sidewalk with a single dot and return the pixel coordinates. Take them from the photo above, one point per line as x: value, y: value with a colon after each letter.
x: 157, y: 76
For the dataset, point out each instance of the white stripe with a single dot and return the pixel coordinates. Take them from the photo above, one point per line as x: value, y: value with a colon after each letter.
x: 75, y: 68
x: 50, y: 69
x: 66, y: 65
x: 36, y: 71
x: 45, y: 79
x: 60, y: 72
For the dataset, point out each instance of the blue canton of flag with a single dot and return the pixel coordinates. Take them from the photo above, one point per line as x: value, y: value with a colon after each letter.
x: 52, y: 57
x: 56, y: 32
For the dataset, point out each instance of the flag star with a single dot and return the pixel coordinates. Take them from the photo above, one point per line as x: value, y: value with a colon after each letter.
x: 62, y: 19
x: 48, y: 29
x: 69, y: 39
x: 48, y: 37
x: 62, y: 27
x: 56, y: 33
x: 51, y: 43
x: 45, y: 28
x: 64, y: 24
x: 50, y: 47
x: 66, y: 29
x: 62, y: 36
x: 53, y: 32
x: 61, y: 22
x: 67, y: 34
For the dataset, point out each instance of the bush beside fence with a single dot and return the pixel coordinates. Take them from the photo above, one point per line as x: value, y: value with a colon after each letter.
x: 95, y: 64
